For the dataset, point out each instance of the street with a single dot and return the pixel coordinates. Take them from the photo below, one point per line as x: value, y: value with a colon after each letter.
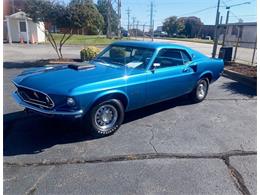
x: 174, y: 147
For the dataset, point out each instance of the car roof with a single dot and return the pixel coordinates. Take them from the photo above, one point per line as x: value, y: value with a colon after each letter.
x: 149, y: 44
x: 159, y: 45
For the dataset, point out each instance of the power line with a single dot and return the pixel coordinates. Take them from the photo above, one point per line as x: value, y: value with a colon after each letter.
x: 228, y: 7
x: 236, y: 0
x: 230, y: 11
x: 234, y: 15
x: 200, y: 10
x: 245, y: 15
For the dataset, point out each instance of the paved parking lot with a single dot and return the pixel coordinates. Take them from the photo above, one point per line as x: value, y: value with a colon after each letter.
x: 173, y: 147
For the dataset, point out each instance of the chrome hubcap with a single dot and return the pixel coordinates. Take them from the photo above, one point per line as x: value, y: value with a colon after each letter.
x: 106, y: 117
x: 202, y: 89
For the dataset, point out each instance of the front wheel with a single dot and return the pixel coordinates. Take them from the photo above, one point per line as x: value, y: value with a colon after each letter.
x: 106, y: 117
x: 200, y: 91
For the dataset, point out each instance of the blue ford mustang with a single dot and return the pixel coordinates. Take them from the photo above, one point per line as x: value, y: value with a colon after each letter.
x: 125, y: 76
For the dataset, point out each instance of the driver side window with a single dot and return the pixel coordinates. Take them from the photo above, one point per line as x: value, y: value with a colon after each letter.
x: 170, y: 57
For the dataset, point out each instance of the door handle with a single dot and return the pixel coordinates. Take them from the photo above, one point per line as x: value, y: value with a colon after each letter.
x: 185, y: 69
x: 194, y: 67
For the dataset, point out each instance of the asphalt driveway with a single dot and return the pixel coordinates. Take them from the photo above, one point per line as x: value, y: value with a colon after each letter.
x: 173, y: 147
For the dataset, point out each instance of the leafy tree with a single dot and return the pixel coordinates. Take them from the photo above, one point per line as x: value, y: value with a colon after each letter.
x: 103, y: 6
x: 51, y: 13
x: 188, y: 26
x: 170, y: 25
x: 66, y: 17
x: 192, y: 26
x: 181, y: 25
x: 86, y: 14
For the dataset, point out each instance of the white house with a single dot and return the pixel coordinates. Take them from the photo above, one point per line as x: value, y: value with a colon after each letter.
x: 20, y: 28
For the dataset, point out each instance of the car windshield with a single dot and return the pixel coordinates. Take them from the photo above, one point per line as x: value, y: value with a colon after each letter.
x: 131, y: 57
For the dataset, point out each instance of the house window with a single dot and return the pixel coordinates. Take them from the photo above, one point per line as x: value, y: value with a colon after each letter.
x: 22, y: 27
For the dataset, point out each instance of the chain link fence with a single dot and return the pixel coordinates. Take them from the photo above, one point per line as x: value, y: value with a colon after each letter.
x: 242, y: 37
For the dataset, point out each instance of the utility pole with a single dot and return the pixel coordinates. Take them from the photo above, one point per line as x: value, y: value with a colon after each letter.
x: 227, y: 18
x: 216, y: 32
x: 119, y: 17
x: 136, y: 31
x: 128, y: 20
x: 151, y: 19
x: 153, y: 31
x: 226, y: 27
x: 143, y: 31
x: 133, y: 25
x: 221, y: 18
x: 109, y: 19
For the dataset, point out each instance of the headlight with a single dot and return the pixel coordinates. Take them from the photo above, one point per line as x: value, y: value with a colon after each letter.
x: 71, y: 102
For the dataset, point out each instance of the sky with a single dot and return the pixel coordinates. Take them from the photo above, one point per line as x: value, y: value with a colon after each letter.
x: 204, y: 9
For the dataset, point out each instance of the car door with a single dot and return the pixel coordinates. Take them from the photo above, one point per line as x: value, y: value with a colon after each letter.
x: 172, y: 78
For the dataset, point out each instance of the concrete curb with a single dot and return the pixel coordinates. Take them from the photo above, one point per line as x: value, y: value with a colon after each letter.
x: 249, y: 81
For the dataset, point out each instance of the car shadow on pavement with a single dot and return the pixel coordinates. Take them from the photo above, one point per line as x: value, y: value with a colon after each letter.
x: 31, y: 134
x: 239, y: 88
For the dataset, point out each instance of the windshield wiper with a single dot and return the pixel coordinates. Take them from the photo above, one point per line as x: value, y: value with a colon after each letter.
x: 118, y: 63
x: 104, y: 62
x: 100, y: 60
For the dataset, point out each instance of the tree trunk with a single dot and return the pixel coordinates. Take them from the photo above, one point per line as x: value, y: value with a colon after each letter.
x: 58, y: 48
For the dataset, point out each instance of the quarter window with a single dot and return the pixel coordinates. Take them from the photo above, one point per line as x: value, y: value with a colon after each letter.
x: 185, y: 56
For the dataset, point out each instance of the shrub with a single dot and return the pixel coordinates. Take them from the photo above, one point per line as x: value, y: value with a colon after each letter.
x: 89, y: 53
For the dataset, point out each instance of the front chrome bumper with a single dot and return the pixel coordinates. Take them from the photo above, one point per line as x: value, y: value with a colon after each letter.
x: 75, y: 114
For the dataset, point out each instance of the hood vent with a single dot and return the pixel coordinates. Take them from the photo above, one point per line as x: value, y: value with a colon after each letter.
x: 80, y: 67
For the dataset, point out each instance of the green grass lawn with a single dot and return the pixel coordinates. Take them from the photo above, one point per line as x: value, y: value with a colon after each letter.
x: 85, y: 40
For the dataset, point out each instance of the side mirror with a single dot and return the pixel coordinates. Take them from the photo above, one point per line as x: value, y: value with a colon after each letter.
x: 155, y: 65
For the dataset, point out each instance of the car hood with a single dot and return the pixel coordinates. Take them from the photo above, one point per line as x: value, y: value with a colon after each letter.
x: 62, y: 79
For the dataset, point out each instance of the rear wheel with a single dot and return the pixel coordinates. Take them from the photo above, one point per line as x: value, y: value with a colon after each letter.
x: 106, y: 117
x: 200, y: 92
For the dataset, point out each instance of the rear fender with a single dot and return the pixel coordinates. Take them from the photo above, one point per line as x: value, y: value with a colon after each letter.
x: 207, y: 73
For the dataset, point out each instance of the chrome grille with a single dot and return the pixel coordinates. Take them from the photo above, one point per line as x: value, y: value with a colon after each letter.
x: 35, y: 97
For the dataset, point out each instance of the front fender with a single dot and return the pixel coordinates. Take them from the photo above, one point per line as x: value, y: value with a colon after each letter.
x: 110, y: 92
x: 92, y: 98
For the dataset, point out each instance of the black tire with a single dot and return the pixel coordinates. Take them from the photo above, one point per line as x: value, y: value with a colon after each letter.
x: 197, y: 96
x: 94, y: 119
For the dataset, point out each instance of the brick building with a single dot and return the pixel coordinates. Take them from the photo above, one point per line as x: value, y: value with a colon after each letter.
x: 12, y: 6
